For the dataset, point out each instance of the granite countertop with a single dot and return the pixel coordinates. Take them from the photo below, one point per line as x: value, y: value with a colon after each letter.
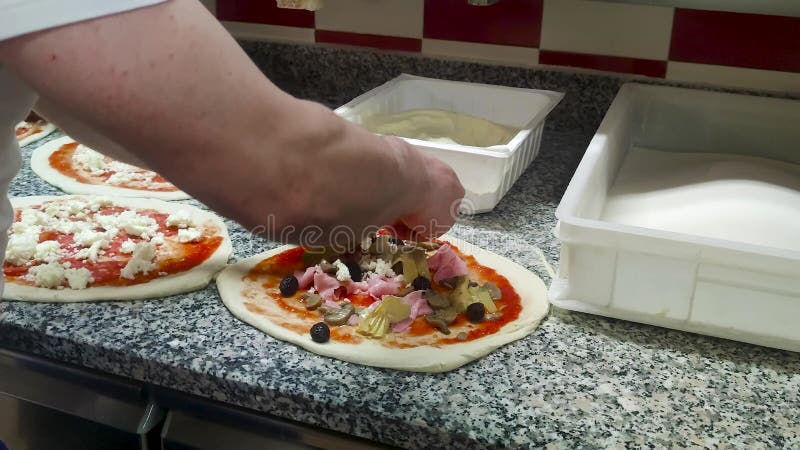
x: 578, y: 380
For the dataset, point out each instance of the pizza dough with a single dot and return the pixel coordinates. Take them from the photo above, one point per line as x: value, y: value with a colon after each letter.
x: 441, y: 126
x: 45, y: 130
x: 530, y: 288
x: 193, y: 279
x: 40, y: 163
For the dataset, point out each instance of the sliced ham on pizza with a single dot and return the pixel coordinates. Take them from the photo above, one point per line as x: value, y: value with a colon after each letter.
x: 77, y: 169
x: 416, y: 306
x: 89, y: 248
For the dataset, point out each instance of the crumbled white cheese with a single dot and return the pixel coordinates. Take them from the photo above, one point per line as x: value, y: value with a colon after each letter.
x: 342, y: 272
x: 21, y: 248
x: 78, y: 278
x: 137, y: 225
x: 108, y: 222
x: 89, y: 160
x: 22, y: 228
x: 32, y: 217
x: 141, y: 261
x: 87, y: 238
x: 189, y: 235
x: 181, y: 219
x: 311, y: 290
x: 47, y: 251
x: 48, y: 275
x: 92, y: 253
x: 124, y: 177
x: 66, y: 209
x: 67, y: 226
x: 158, y: 239
x: 383, y: 268
x: 366, y: 243
x: 128, y: 246
x: 121, y: 173
x: 99, y: 202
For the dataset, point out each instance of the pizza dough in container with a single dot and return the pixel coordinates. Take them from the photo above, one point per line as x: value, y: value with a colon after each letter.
x: 531, y: 289
x: 195, y: 278
x: 40, y: 163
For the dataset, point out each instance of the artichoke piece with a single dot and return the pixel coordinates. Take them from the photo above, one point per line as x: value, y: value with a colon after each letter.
x: 414, y: 262
x: 481, y: 294
x: 464, y: 295
x: 376, y: 323
x: 460, y: 297
x: 494, y: 291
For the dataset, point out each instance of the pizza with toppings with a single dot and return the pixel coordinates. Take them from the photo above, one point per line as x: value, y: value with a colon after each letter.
x: 416, y: 306
x: 88, y: 248
x: 32, y: 129
x: 77, y: 169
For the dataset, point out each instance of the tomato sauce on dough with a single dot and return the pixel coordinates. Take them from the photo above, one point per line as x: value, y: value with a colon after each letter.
x: 270, y: 271
x: 61, y: 160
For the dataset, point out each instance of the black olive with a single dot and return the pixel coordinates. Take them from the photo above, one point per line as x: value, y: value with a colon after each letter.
x: 289, y: 286
x: 421, y: 283
x: 355, y: 270
x: 475, y: 312
x: 396, y: 241
x: 320, y: 332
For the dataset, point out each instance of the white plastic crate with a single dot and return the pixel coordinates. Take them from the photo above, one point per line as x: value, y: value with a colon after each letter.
x: 486, y: 173
x: 721, y: 287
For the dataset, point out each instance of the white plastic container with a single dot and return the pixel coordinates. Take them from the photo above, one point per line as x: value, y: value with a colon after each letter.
x: 487, y: 173
x: 706, y: 285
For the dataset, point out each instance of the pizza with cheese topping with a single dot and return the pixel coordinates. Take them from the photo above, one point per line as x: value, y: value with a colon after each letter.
x: 32, y: 129
x: 78, y: 169
x: 88, y: 248
x: 416, y: 306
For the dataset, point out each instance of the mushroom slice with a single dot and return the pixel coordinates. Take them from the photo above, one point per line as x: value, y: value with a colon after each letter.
x: 339, y: 316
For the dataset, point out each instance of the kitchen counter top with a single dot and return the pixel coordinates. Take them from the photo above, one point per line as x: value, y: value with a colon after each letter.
x: 577, y: 380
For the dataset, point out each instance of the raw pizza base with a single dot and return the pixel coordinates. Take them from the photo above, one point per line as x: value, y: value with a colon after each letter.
x: 191, y: 280
x: 44, y: 132
x: 531, y: 289
x: 40, y: 163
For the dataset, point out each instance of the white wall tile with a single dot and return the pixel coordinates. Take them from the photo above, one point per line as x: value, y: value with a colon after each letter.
x: 740, y: 77
x: 517, y: 56
x: 383, y: 17
x: 635, y: 31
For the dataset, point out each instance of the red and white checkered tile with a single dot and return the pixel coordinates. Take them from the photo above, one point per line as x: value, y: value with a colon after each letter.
x: 724, y: 48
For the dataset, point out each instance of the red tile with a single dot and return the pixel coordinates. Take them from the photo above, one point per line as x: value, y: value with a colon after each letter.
x: 263, y: 11
x: 735, y: 39
x: 507, y: 22
x: 648, y: 67
x: 369, y: 40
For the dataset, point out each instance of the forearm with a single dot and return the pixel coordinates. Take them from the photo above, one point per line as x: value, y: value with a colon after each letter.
x: 168, y: 84
x: 83, y: 133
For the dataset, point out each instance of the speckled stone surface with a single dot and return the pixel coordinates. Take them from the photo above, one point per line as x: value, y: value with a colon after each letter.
x: 578, y: 381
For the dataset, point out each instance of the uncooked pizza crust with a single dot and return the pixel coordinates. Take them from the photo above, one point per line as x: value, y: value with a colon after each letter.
x: 531, y: 289
x: 191, y: 280
x: 47, y: 128
x: 40, y: 163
